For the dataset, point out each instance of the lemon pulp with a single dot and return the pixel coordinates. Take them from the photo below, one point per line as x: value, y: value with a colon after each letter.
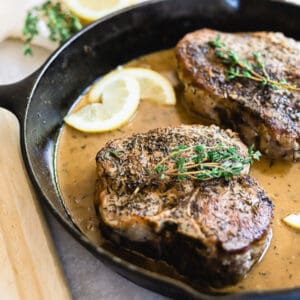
x: 153, y: 86
x: 90, y: 10
x: 115, y: 97
x: 117, y: 100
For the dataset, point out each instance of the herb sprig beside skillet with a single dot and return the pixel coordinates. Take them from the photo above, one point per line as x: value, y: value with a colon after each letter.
x: 204, y: 163
x: 60, y: 23
x: 242, y: 68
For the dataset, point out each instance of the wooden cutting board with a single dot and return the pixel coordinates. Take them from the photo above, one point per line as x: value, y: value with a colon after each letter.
x: 29, y: 267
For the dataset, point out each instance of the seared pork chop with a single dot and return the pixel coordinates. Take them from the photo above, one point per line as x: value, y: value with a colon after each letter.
x: 263, y: 115
x: 212, y: 230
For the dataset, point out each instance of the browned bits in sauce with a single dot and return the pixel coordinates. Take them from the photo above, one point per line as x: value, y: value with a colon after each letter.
x: 75, y: 164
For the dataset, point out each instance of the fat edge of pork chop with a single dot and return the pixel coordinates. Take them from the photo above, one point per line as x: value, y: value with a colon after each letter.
x: 266, y: 117
x: 213, y: 231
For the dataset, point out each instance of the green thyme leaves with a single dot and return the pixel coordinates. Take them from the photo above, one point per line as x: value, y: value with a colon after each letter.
x: 216, y: 43
x: 60, y: 23
x: 204, y: 163
x: 113, y: 153
x: 241, y: 68
x: 30, y: 31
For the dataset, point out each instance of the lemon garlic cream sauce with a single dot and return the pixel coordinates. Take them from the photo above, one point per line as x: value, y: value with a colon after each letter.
x: 75, y: 169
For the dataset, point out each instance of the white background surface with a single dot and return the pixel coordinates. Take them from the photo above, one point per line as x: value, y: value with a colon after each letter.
x: 88, y: 278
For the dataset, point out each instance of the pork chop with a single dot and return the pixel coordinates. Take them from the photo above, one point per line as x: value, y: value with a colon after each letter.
x: 213, y: 230
x: 263, y: 115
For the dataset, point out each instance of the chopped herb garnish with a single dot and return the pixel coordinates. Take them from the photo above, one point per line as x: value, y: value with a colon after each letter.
x: 241, y: 68
x: 204, y: 163
x: 60, y: 22
x: 159, y: 169
x: 114, y: 153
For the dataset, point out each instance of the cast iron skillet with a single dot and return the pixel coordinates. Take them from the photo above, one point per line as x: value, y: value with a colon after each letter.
x: 43, y: 99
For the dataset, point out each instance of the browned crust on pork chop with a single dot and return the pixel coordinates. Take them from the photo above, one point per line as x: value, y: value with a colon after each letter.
x: 264, y: 116
x: 214, y: 230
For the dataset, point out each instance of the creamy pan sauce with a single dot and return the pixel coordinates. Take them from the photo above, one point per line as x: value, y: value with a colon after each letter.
x: 75, y: 166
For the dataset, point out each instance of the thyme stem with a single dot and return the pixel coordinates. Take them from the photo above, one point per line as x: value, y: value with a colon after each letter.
x: 60, y: 23
x: 245, y: 69
x: 203, y: 163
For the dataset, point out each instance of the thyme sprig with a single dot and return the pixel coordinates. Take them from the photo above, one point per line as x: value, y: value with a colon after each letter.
x: 203, y: 163
x: 242, y: 68
x: 60, y: 23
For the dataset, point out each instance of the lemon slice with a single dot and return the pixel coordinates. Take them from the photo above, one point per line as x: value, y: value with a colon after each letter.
x: 90, y: 10
x: 119, y: 97
x: 153, y: 86
x: 292, y: 220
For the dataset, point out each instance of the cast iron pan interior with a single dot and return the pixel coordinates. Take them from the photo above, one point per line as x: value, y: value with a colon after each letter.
x: 42, y: 100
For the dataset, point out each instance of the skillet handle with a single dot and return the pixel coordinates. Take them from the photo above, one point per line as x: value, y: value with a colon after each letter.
x: 15, y: 96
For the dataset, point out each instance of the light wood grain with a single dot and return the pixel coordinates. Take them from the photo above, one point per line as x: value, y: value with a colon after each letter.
x: 29, y: 267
